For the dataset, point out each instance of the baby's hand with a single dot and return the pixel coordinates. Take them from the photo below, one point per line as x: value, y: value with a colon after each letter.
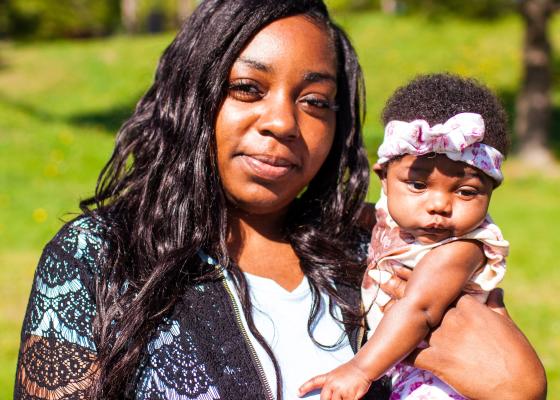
x: 347, y: 382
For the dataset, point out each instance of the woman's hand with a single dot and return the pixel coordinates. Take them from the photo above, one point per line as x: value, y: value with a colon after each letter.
x: 482, y: 354
x: 366, y: 220
x: 477, y: 349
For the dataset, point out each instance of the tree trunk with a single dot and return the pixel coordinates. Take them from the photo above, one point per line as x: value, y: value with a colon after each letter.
x: 184, y: 9
x: 129, y: 15
x: 534, y: 105
x: 388, y: 6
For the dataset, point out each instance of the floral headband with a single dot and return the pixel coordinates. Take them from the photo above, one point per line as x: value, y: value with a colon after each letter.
x: 458, y: 138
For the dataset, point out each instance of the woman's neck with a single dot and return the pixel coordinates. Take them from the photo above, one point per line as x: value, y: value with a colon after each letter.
x: 258, y: 245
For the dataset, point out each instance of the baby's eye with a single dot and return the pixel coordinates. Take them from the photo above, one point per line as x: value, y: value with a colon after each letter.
x: 467, y: 192
x: 317, y: 103
x: 245, y: 90
x: 416, y: 185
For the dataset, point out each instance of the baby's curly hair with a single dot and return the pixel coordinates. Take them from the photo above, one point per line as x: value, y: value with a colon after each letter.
x: 438, y: 97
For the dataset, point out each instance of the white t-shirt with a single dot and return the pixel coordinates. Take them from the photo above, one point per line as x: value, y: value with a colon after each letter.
x: 281, y: 317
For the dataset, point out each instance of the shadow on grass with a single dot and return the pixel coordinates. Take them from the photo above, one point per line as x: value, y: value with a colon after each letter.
x: 29, y: 109
x: 4, y: 64
x: 109, y: 120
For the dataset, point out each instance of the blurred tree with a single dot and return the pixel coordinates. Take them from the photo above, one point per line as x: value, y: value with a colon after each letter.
x: 129, y: 15
x: 533, y: 111
x: 534, y: 106
x: 352, y: 5
x: 471, y: 8
x: 4, y: 18
x: 389, y: 6
x: 67, y: 18
x: 184, y: 9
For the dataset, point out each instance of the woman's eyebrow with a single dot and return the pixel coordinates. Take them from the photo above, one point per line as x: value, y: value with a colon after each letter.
x: 318, y: 77
x: 255, y: 64
x: 311, y: 76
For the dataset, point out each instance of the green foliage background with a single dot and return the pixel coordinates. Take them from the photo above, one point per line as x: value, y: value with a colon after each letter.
x: 40, y: 19
x: 44, y: 19
x: 61, y: 103
x: 61, y: 18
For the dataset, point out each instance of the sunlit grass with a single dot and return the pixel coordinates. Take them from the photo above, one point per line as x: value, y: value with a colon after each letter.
x: 62, y: 102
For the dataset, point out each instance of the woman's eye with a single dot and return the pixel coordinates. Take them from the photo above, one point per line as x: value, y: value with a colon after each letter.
x: 415, y: 185
x: 244, y: 91
x: 318, y: 103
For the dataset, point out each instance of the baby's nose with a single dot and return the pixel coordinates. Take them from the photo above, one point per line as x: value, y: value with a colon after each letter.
x: 439, y: 203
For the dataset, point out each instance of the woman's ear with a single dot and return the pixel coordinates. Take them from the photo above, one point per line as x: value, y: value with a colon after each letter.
x: 381, y: 171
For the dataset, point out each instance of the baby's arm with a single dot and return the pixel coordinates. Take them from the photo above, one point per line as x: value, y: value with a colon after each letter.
x: 436, y: 281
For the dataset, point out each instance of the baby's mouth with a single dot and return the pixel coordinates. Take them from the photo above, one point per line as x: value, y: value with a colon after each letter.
x: 437, y: 231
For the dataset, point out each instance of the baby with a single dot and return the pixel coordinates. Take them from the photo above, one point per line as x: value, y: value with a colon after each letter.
x: 445, y: 139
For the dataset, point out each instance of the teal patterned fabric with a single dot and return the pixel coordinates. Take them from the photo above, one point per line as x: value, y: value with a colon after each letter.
x: 58, y: 351
x: 197, y: 353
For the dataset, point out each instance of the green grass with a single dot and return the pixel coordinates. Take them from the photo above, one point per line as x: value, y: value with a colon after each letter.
x: 61, y: 103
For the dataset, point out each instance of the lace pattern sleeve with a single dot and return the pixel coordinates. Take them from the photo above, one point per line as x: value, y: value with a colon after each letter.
x: 57, y: 354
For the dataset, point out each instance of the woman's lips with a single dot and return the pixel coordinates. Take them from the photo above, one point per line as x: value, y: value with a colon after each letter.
x: 268, y: 167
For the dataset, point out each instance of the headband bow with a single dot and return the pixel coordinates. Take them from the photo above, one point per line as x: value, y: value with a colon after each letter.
x: 458, y: 138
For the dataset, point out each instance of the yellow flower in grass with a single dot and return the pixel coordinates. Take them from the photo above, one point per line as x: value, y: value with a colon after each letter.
x: 51, y: 170
x: 57, y: 155
x: 4, y: 200
x: 66, y: 137
x: 40, y: 215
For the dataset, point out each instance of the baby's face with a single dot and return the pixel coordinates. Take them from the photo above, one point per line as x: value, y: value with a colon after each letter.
x: 434, y: 198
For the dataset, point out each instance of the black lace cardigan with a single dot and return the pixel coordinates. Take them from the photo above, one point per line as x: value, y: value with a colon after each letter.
x: 198, y: 353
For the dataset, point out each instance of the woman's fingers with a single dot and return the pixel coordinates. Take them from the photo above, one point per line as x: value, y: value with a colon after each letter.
x: 393, y: 284
x: 314, y: 383
x: 366, y: 220
x: 496, y: 302
x: 426, y: 357
x: 326, y: 394
x: 402, y: 272
x: 480, y: 352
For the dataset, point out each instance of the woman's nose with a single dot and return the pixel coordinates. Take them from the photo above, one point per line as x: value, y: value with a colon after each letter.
x: 439, y: 203
x: 279, y: 117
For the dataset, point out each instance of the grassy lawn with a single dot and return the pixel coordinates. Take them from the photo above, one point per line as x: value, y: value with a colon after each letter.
x: 62, y: 102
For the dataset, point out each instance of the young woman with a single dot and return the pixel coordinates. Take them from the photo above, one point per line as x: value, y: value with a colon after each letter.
x: 220, y: 251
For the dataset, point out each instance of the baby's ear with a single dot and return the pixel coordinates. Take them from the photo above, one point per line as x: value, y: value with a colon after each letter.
x: 381, y: 171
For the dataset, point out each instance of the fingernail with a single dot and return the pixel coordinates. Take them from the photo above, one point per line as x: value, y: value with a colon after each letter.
x: 380, y: 277
x: 382, y: 298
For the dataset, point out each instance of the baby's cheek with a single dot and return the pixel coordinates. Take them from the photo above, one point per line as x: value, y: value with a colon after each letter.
x: 403, y: 214
x: 469, y: 218
x: 405, y: 208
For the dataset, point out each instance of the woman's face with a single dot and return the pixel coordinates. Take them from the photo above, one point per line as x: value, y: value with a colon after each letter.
x: 276, y: 125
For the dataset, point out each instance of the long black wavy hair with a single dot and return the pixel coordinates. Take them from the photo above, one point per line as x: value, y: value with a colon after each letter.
x: 161, y: 198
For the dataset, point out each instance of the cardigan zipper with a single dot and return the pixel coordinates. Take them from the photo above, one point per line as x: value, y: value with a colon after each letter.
x: 361, y: 330
x: 252, y: 350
